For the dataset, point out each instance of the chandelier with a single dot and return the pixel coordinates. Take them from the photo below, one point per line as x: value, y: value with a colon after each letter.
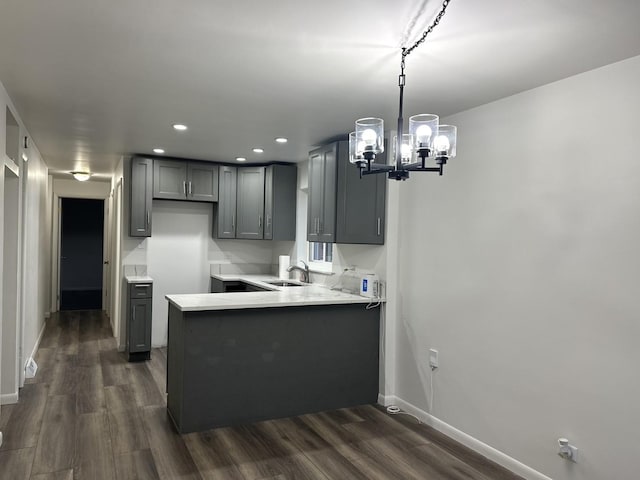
x: 427, y: 140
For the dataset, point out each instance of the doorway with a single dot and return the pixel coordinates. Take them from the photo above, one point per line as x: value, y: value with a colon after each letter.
x: 10, y: 293
x: 81, y: 253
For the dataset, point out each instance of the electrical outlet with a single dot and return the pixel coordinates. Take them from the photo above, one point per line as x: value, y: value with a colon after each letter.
x: 433, y: 359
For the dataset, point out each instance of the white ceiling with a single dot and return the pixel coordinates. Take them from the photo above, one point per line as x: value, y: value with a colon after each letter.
x: 94, y: 80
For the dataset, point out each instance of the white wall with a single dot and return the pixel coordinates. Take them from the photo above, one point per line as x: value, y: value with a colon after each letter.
x: 524, y: 273
x: 34, y: 251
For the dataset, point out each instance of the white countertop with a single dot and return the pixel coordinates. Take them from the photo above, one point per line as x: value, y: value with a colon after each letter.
x: 138, y: 279
x: 277, y: 297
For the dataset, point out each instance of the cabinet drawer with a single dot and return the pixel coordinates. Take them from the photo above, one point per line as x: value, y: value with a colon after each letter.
x: 140, y: 290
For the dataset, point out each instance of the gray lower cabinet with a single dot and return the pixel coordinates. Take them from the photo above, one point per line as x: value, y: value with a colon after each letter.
x: 250, y: 203
x: 140, y: 188
x: 180, y: 180
x: 344, y: 208
x: 233, y: 367
x: 280, y: 183
x: 138, y: 342
x: 224, y: 213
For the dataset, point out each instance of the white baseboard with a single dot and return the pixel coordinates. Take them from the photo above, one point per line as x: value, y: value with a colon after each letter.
x: 468, y: 441
x: 8, y: 398
x: 35, y: 347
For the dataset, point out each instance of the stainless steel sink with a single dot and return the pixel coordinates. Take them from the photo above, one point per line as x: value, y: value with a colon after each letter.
x: 284, y: 283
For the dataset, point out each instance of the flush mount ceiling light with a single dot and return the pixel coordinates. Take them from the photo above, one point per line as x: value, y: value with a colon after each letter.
x: 427, y: 138
x: 258, y: 150
x: 241, y: 159
x: 81, y: 176
x: 158, y: 150
x: 179, y: 127
x: 281, y: 140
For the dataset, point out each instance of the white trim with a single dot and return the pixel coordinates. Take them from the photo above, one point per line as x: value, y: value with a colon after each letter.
x: 468, y: 441
x: 35, y: 347
x: 8, y: 398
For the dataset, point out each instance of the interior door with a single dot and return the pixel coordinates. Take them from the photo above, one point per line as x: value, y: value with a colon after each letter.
x: 81, y: 254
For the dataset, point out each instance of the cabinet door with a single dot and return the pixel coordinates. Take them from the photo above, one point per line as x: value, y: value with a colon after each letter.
x: 316, y: 194
x: 250, y: 206
x: 268, y: 203
x: 141, y: 185
x: 140, y: 325
x: 225, y: 216
x: 361, y: 203
x: 202, y: 182
x: 321, y: 221
x: 280, y: 191
x: 170, y: 179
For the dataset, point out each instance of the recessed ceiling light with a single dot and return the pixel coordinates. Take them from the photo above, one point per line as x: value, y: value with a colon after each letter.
x: 258, y: 150
x: 241, y: 159
x: 281, y: 140
x: 158, y: 150
x: 179, y: 126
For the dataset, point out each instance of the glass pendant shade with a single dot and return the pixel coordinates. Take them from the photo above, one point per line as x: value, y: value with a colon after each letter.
x: 353, y: 155
x: 369, y: 136
x: 445, y: 142
x: 424, y: 128
x: 406, y: 149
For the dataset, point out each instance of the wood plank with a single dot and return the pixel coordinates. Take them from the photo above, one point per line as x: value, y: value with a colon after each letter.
x: 145, y: 390
x: 127, y: 431
x: 171, y: 456
x: 115, y: 369
x: 93, y: 447
x: 57, y: 444
x: 119, y: 398
x: 64, y: 379
x: 259, y: 455
x: 23, y: 425
x: 90, y: 391
x: 61, y: 475
x: 16, y: 463
x: 212, y: 456
x: 136, y: 466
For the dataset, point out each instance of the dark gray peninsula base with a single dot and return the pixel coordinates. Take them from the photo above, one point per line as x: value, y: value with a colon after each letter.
x: 228, y: 367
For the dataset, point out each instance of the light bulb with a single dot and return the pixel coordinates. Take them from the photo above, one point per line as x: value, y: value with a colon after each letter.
x: 423, y: 133
x: 361, y: 147
x: 405, y: 151
x: 369, y: 136
x: 441, y: 144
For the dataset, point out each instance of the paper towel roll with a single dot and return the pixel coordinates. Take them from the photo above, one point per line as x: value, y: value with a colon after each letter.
x: 283, y: 264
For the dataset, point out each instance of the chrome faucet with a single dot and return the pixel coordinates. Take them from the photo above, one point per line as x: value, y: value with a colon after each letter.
x: 304, y: 272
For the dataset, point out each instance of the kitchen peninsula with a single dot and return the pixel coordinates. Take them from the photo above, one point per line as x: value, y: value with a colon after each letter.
x: 242, y: 357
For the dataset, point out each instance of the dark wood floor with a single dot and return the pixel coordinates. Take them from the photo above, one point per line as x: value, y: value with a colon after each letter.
x: 89, y: 414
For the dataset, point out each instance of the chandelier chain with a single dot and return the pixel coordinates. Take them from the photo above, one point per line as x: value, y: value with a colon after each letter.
x: 434, y: 24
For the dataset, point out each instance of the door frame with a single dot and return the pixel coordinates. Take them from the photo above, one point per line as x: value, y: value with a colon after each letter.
x: 90, y: 190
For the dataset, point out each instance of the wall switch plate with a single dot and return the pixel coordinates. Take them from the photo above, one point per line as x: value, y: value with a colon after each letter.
x: 433, y: 358
x: 0, y: 439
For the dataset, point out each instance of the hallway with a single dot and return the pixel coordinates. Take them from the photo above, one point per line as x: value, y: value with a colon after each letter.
x: 89, y: 414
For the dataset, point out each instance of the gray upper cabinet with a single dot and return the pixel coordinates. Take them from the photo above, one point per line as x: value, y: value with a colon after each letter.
x: 280, y: 185
x: 224, y: 221
x: 181, y: 180
x: 141, y: 185
x: 250, y: 203
x: 344, y: 208
x: 360, y: 203
x: 321, y: 213
x: 202, y: 181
